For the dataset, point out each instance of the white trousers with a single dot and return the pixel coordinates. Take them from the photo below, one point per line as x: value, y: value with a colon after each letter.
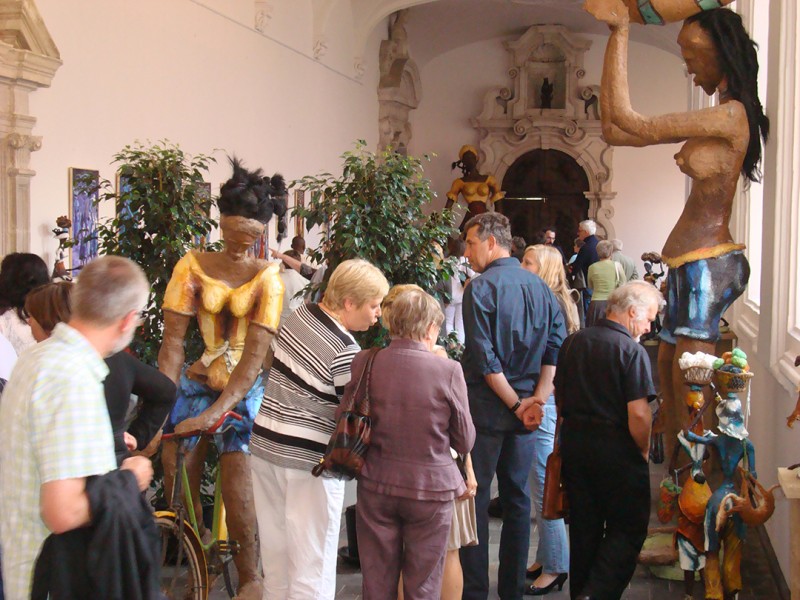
x: 299, y: 518
x: 454, y: 320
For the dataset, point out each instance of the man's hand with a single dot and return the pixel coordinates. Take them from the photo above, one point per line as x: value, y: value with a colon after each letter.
x: 130, y: 441
x: 530, y: 412
x: 141, y: 468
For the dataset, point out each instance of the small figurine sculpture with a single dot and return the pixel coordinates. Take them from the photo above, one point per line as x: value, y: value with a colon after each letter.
x: 61, y: 233
x: 727, y: 513
x: 547, y: 93
x: 721, y: 144
x: 236, y: 300
x: 476, y: 189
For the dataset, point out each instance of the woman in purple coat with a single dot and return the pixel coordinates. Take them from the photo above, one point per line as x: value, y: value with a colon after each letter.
x: 409, y: 481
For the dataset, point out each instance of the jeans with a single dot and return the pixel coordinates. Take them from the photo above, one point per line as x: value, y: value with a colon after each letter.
x: 553, y: 550
x: 510, y: 455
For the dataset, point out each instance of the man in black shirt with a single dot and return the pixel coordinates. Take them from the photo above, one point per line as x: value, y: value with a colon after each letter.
x: 602, y: 386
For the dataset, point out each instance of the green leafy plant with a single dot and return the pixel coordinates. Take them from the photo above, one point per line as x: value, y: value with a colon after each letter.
x: 162, y: 206
x: 376, y: 211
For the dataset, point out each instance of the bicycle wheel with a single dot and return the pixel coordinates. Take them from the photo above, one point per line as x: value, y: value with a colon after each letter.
x: 184, y: 574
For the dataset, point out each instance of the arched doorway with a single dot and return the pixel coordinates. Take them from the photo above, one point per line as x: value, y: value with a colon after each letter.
x: 556, y: 178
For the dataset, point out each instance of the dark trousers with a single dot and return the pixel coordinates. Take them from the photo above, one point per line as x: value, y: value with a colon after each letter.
x: 510, y: 456
x: 397, y: 534
x: 608, y: 486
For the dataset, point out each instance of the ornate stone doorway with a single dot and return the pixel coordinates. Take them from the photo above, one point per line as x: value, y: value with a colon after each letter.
x: 560, y: 182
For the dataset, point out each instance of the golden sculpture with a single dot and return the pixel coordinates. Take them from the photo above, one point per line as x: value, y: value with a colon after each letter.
x: 476, y: 189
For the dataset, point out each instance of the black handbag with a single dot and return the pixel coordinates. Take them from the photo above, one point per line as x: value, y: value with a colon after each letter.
x: 344, y: 456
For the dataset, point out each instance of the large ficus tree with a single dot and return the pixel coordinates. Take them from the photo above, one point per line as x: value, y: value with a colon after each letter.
x: 375, y: 210
x: 162, y: 206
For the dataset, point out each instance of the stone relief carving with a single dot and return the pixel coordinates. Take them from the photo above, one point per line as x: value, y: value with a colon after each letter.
x: 320, y: 47
x: 263, y: 15
x: 399, y: 89
x: 513, y: 121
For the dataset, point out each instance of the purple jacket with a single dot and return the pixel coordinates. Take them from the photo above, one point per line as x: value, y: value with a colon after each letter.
x: 419, y: 411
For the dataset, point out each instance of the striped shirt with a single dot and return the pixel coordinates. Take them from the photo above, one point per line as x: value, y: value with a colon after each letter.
x: 311, y: 365
x: 54, y: 425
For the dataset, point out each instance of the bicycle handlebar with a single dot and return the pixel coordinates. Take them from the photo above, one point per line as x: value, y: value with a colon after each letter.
x: 210, y: 431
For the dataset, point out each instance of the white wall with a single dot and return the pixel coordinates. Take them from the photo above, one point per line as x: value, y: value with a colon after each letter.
x: 198, y: 74
x: 650, y: 188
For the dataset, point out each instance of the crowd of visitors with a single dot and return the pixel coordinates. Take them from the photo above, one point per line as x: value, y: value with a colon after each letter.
x: 70, y: 452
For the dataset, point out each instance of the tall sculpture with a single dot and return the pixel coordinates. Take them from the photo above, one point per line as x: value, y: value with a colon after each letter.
x: 236, y: 300
x: 476, y: 188
x: 708, y: 269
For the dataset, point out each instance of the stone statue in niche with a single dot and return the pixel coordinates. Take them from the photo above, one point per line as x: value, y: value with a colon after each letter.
x: 720, y: 144
x: 476, y: 189
x: 236, y: 300
x: 547, y: 93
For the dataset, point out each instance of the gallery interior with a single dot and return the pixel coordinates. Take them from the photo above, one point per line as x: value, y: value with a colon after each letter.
x: 290, y: 85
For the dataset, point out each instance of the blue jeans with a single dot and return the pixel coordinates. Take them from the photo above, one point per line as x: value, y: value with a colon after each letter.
x: 553, y: 550
x: 510, y: 455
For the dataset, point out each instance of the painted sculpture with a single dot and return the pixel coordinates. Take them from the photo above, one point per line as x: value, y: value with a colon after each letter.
x: 61, y: 233
x: 236, y: 300
x: 707, y: 268
x: 476, y: 189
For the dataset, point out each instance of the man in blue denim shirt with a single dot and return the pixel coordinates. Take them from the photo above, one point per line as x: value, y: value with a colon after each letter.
x: 514, y: 330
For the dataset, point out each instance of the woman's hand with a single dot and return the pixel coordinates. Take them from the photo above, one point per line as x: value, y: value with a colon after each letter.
x: 472, y: 482
x: 612, y: 12
x: 199, y: 423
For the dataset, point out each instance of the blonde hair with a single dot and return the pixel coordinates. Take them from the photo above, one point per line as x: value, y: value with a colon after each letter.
x: 358, y: 280
x: 551, y: 270
x: 107, y: 289
x: 411, y: 313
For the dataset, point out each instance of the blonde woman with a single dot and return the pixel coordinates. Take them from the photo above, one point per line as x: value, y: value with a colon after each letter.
x: 552, y: 556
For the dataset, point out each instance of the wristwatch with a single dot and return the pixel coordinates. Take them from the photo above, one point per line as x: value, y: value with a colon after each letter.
x: 514, y: 408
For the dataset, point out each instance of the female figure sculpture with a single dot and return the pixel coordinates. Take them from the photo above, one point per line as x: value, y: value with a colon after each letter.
x: 476, y: 188
x: 708, y: 270
x: 236, y: 299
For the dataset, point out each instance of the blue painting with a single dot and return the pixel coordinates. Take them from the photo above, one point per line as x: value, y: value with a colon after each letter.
x: 83, y: 189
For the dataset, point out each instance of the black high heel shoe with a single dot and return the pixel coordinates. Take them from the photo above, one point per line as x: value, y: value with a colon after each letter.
x: 533, y: 574
x: 532, y: 590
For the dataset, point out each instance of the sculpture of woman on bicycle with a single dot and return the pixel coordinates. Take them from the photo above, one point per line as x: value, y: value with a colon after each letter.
x: 477, y: 189
x: 708, y: 270
x: 236, y: 300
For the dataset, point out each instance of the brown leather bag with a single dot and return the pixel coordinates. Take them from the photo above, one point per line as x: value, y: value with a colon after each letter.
x: 344, y: 456
x: 554, y: 500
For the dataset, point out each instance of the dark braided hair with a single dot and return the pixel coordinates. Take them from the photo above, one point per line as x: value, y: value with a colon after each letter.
x: 739, y: 63
x: 249, y: 194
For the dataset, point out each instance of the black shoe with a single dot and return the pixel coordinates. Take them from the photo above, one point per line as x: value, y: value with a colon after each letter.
x: 533, y: 574
x: 495, y: 508
x: 541, y: 591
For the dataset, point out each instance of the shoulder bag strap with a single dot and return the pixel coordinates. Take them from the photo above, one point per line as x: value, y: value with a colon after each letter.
x: 361, y: 394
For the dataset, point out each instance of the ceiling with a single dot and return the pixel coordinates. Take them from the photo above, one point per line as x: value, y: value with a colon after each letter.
x: 438, y: 26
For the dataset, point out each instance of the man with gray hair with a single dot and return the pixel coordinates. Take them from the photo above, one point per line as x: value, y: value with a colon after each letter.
x: 587, y: 256
x: 626, y: 262
x: 603, y: 386
x: 55, y: 430
x: 513, y: 329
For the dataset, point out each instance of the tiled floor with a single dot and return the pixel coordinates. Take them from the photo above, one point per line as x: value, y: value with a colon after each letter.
x: 759, y: 581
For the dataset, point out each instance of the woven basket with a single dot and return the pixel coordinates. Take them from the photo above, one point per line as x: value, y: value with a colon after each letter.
x: 698, y: 375
x: 732, y: 382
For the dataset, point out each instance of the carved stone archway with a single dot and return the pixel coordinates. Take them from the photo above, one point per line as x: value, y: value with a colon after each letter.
x: 519, y: 118
x: 28, y: 61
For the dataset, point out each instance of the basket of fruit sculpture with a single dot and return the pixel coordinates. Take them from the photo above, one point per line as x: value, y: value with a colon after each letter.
x: 698, y: 375
x: 731, y: 380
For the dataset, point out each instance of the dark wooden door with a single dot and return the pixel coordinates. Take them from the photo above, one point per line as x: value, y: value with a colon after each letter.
x: 560, y: 181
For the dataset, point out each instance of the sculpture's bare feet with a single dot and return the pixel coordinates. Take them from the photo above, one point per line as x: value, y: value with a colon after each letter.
x: 613, y: 12
x: 252, y: 590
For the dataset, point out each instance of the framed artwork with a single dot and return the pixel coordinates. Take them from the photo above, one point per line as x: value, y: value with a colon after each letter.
x: 83, y: 194
x: 299, y: 202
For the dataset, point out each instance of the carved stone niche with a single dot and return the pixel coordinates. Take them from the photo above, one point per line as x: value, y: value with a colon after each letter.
x: 28, y: 60
x: 514, y: 121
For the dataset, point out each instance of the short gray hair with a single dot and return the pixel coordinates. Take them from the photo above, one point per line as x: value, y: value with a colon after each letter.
x: 604, y: 249
x: 412, y: 313
x: 588, y: 226
x: 494, y: 224
x: 617, y: 245
x: 637, y: 294
x: 109, y: 288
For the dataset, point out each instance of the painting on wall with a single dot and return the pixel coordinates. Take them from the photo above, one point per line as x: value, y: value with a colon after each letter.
x: 83, y: 194
x: 299, y: 202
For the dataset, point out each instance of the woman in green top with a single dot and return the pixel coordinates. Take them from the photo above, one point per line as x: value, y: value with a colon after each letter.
x: 604, y: 278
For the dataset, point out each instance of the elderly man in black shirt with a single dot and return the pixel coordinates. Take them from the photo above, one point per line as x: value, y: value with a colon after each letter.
x: 603, y: 386
x: 513, y: 328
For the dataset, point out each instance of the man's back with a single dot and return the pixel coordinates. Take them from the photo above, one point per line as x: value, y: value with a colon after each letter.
x: 512, y: 325
x: 54, y: 425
